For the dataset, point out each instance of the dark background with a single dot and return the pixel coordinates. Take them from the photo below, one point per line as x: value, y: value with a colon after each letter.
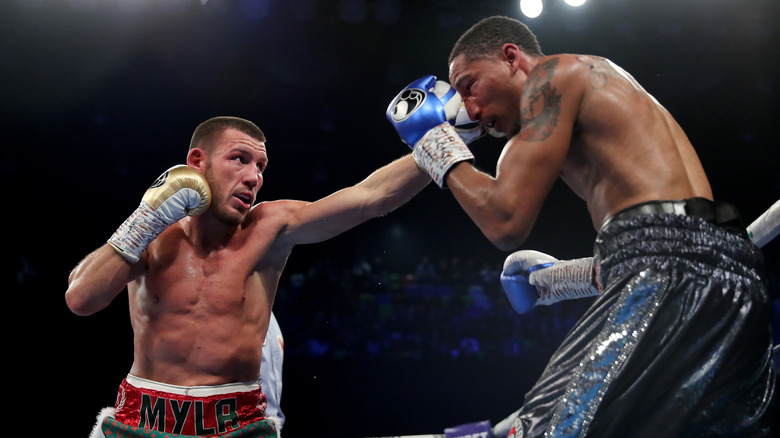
x: 99, y: 97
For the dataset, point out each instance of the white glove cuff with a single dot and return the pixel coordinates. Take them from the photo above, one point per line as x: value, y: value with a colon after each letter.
x: 137, y: 231
x: 564, y: 280
x: 440, y: 149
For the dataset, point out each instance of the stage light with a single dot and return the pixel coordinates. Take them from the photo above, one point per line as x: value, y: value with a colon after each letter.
x: 531, y: 8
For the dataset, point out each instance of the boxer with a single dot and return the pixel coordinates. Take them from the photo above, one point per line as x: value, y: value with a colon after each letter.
x: 678, y: 341
x: 201, y: 263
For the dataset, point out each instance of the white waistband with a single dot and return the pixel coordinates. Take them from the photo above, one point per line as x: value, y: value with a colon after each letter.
x: 192, y: 391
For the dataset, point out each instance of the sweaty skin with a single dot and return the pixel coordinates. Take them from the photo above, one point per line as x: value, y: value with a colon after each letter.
x: 201, y: 295
x: 577, y: 117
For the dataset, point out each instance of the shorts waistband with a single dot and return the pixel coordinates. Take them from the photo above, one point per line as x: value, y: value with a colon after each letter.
x: 188, y: 410
x: 192, y: 391
x: 722, y: 214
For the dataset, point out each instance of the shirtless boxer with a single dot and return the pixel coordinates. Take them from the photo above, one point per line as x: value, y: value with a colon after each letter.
x: 201, y: 264
x: 678, y: 343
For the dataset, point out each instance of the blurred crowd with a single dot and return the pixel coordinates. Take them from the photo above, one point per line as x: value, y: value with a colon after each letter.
x: 442, y: 308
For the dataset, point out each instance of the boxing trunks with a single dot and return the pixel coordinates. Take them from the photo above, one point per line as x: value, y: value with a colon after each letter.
x: 677, y: 344
x: 145, y: 408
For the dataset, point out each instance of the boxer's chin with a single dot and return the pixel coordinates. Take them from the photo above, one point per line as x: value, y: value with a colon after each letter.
x: 229, y: 216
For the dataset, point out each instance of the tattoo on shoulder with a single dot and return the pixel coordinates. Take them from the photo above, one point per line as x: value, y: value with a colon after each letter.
x: 601, y: 71
x: 598, y: 74
x: 542, y: 103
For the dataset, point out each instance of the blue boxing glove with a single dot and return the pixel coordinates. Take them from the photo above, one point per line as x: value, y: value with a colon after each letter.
x: 421, y: 115
x: 416, y: 110
x: 531, y: 278
x: 449, y: 108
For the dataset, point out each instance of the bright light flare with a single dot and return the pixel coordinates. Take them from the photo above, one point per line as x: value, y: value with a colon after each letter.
x: 531, y: 8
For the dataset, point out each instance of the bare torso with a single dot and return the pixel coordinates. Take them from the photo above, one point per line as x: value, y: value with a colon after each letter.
x: 200, y: 315
x: 201, y: 293
x: 579, y: 118
x: 625, y: 147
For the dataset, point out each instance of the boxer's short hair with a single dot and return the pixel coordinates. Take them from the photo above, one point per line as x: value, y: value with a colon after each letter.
x: 488, y: 36
x: 216, y: 125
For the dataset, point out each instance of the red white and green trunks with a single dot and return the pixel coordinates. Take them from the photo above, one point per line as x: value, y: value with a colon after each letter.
x: 145, y: 408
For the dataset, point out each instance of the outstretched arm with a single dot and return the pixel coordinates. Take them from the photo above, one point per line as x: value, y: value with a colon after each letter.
x: 380, y: 193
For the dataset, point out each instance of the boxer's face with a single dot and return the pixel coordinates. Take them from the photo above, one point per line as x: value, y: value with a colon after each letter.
x: 234, y: 170
x: 487, y: 88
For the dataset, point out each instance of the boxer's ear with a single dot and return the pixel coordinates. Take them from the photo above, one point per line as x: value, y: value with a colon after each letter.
x: 514, y: 57
x: 196, y: 158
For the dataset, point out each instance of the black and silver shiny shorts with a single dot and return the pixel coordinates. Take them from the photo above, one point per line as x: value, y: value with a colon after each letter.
x: 678, y: 343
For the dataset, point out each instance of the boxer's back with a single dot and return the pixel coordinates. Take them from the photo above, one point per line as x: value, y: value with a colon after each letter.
x: 626, y: 148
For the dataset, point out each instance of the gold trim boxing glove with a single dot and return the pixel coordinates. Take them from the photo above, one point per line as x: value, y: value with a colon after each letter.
x: 178, y: 192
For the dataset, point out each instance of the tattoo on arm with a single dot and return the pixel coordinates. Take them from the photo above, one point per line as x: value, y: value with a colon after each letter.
x: 542, y: 103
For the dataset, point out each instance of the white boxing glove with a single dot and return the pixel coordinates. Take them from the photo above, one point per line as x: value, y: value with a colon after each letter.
x: 178, y: 192
x: 456, y: 114
x: 531, y: 278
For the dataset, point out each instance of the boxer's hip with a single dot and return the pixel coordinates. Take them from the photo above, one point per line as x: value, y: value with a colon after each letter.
x: 676, y: 241
x: 189, y: 410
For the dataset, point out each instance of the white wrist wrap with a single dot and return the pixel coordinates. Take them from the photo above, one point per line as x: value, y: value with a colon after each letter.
x: 564, y: 280
x: 440, y: 149
x: 137, y: 231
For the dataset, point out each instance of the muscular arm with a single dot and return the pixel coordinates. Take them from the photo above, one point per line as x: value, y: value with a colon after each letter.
x: 98, y: 279
x: 505, y: 208
x: 380, y: 193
